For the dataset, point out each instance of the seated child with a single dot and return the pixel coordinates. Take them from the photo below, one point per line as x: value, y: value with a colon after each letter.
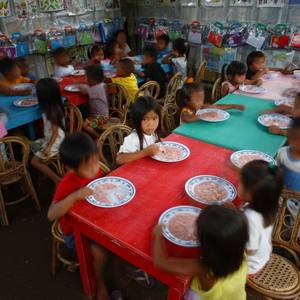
x: 11, y: 77
x: 162, y: 45
x: 153, y: 70
x: 98, y: 106
x: 220, y: 272
x: 62, y: 63
x: 145, y: 113
x: 24, y: 67
x: 190, y: 98
x: 96, y: 55
x: 256, y: 64
x: 122, y: 44
x: 125, y: 76
x: 260, y: 186
x: 78, y: 152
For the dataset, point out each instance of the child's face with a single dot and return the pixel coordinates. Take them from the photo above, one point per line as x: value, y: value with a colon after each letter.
x: 258, y: 64
x: 121, y: 38
x: 161, y: 44
x: 239, y: 79
x: 63, y: 59
x: 148, y: 59
x: 197, y: 101
x: 90, y: 168
x: 294, y: 140
x: 243, y: 195
x: 14, y: 73
x: 99, y: 55
x: 150, y: 122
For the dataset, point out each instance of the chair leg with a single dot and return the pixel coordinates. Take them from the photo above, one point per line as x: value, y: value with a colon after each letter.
x: 3, y: 214
x: 32, y: 190
x: 54, y: 256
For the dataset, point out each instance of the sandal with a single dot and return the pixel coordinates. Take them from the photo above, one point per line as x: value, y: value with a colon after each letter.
x: 140, y: 277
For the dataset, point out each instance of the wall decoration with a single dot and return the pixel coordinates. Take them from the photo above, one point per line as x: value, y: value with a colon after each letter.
x: 5, y: 9
x: 166, y: 2
x: 276, y: 59
x: 190, y: 3
x: 241, y: 2
x: 294, y: 2
x: 25, y: 8
x: 212, y: 2
x: 111, y: 4
x: 51, y: 5
x: 270, y: 3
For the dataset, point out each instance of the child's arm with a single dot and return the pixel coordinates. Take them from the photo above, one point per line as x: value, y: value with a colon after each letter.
x: 53, y: 138
x: 260, y: 73
x: 257, y: 82
x: 11, y: 92
x: 226, y: 106
x: 167, y: 58
x: 277, y: 130
x: 58, y: 209
x: 281, y: 109
x: 224, y: 90
x: 187, y: 117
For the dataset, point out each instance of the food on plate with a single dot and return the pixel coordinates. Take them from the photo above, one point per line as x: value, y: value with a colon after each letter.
x: 170, y: 153
x: 276, y: 122
x: 211, y: 115
x: 109, y: 193
x: 210, y: 191
x: 245, y: 158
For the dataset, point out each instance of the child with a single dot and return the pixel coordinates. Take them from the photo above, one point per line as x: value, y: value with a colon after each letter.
x: 24, y: 67
x: 50, y: 101
x: 62, y: 63
x: 78, y: 152
x: 162, y: 45
x: 220, y: 272
x: 122, y: 45
x: 153, y: 70
x: 177, y: 57
x: 96, y: 55
x: 190, y: 98
x: 125, y: 77
x: 256, y: 64
x: 260, y: 186
x: 11, y: 77
x: 140, y: 143
x: 98, y: 106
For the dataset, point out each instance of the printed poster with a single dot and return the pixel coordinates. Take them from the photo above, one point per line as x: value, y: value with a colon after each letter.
x: 241, y: 2
x: 166, y: 2
x: 270, y: 3
x: 215, y: 3
x: 189, y: 3
x: 5, y: 10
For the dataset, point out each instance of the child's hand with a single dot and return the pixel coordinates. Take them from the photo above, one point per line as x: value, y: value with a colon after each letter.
x: 152, y: 150
x: 274, y: 129
x: 258, y: 82
x: 157, y: 231
x: 239, y: 107
x: 47, y: 152
x: 83, y: 193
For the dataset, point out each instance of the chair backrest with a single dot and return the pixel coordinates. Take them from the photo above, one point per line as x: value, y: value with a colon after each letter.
x: 13, y: 151
x: 174, y: 84
x: 287, y: 227
x: 216, y: 91
x: 169, y: 117
x: 109, y: 143
x: 118, y: 100
x: 201, y: 71
x: 73, y: 118
x: 104, y: 168
x: 150, y: 88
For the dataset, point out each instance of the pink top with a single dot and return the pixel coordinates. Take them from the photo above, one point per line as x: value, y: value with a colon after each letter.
x: 230, y: 86
x: 3, y: 131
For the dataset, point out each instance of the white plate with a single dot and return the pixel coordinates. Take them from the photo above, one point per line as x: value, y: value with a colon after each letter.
x: 183, y: 210
x: 252, y: 89
x: 279, y: 120
x: 120, y: 192
x: 213, y: 115
x: 285, y: 101
x: 271, y: 75
x: 74, y: 88
x: 78, y: 73
x: 290, y: 92
x: 24, y: 102
x: 237, y: 156
x: 23, y: 86
x: 216, y: 182
x: 182, y: 150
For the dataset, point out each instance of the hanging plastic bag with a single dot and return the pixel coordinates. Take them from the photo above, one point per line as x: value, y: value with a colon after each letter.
x: 257, y: 35
x: 215, y: 35
x: 280, y: 37
x: 69, y: 38
x: 39, y: 42
x: 236, y: 35
x: 22, y: 44
x: 176, y: 30
x: 6, y: 47
x: 85, y: 36
x: 295, y: 39
x: 195, y: 33
x: 143, y: 31
x: 55, y: 38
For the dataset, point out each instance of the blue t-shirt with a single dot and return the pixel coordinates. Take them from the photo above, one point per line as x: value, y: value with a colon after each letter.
x: 163, y: 53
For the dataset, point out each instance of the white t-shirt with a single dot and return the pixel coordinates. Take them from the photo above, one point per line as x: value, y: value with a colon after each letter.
x: 260, y: 240
x: 60, y: 71
x: 131, y: 143
x: 180, y: 65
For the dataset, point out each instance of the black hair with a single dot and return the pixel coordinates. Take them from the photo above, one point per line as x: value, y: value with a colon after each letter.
x: 223, y: 234
x: 233, y: 69
x: 20, y: 60
x: 94, y: 49
x: 59, y: 51
x: 139, y: 109
x: 295, y: 125
x: 253, y: 56
x: 77, y: 148
x: 95, y: 72
x: 50, y: 101
x: 6, y: 65
x: 165, y: 38
x: 264, y: 181
x: 184, y: 95
x: 127, y: 65
x: 179, y: 45
x: 151, y: 51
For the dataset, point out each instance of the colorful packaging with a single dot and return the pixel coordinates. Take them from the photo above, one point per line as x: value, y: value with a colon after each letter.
x: 22, y: 43
x: 236, y: 35
x: 39, y: 41
x: 215, y: 35
x: 6, y: 47
x: 280, y: 36
x: 257, y: 35
x: 69, y: 38
x: 55, y: 38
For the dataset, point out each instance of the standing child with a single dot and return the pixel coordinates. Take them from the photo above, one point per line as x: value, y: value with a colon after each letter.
x: 162, y: 45
x: 259, y: 188
x: 50, y: 101
x: 190, y: 98
x: 140, y: 143
x: 78, y: 152
x: 62, y: 66
x: 220, y: 272
x: 96, y: 55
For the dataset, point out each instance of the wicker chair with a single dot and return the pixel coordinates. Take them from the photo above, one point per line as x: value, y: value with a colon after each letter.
x: 280, y: 278
x: 175, y: 83
x: 58, y: 241
x: 201, y: 72
x: 216, y: 91
x: 110, y: 142
x: 169, y: 117
x: 14, y: 170
x: 150, y: 88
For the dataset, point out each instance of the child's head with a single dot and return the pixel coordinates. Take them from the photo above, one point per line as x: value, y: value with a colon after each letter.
x: 150, y: 54
x: 191, y: 95
x: 23, y: 65
x: 296, y: 108
x: 49, y: 97
x: 179, y: 47
x: 163, y: 42
x: 256, y: 61
x: 260, y: 185
x: 10, y: 69
x: 94, y: 74
x: 223, y: 234
x: 97, y: 53
x: 294, y: 136
x: 125, y: 67
x: 121, y: 37
x: 61, y: 57
x: 235, y: 72
x: 79, y: 152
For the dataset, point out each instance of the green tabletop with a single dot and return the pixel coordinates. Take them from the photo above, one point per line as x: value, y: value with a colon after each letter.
x: 241, y: 131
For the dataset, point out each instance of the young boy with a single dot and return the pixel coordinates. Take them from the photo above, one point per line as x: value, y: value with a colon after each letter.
x: 24, y: 67
x: 125, y: 77
x: 11, y: 77
x: 153, y: 70
x: 162, y: 45
x: 78, y: 152
x: 256, y: 64
x: 62, y: 63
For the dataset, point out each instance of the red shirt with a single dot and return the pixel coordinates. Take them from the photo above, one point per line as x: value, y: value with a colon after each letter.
x: 69, y: 184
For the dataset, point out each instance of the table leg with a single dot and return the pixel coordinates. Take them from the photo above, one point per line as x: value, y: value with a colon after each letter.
x: 174, y: 294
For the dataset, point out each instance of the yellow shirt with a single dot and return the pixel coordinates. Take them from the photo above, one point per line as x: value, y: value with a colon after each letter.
x: 185, y: 110
x: 7, y: 83
x: 230, y: 288
x: 130, y: 83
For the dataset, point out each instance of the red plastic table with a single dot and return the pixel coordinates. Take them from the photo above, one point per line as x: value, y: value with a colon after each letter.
x: 126, y: 230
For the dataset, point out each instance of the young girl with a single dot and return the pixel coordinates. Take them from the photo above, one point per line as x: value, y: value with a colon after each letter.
x: 96, y: 55
x: 190, y: 98
x: 122, y: 44
x: 141, y: 142
x: 50, y: 101
x: 221, y: 270
x: 260, y: 186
